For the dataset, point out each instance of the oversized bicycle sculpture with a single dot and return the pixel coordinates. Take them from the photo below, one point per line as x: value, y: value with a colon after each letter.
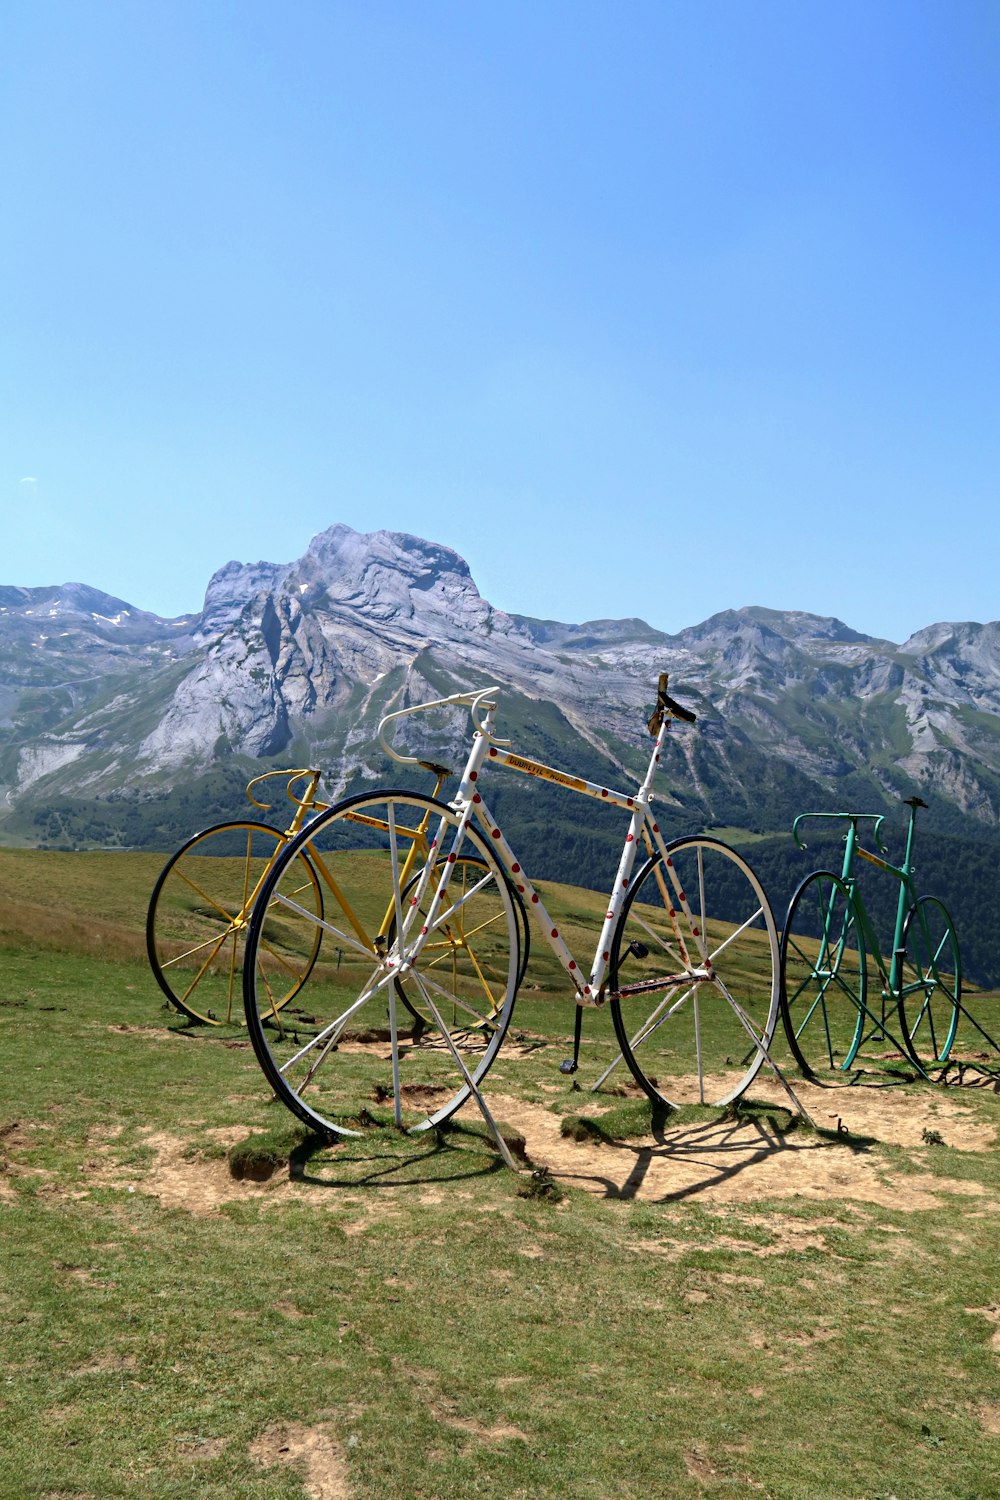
x: 200, y: 906
x: 830, y: 954
x: 201, y: 903
x: 423, y: 898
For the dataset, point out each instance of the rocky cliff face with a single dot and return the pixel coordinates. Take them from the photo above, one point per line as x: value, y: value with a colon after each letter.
x: 298, y: 661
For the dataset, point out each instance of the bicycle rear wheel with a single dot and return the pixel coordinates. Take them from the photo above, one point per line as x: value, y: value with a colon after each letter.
x: 197, y: 919
x: 823, y: 976
x: 412, y: 996
x: 694, y: 975
x: 931, y: 986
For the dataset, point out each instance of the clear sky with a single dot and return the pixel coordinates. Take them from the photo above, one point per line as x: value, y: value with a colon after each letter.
x: 646, y: 307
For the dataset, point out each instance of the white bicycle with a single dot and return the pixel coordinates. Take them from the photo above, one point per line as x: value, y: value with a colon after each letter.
x: 424, y: 942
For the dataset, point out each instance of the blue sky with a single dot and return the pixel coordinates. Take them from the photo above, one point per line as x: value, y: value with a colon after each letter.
x: 646, y: 309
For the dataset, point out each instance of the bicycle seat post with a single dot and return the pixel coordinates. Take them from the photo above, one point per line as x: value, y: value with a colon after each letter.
x: 912, y: 803
x: 850, y: 848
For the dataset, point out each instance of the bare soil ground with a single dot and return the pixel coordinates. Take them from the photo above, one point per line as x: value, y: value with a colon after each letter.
x: 740, y: 1160
x: 731, y: 1161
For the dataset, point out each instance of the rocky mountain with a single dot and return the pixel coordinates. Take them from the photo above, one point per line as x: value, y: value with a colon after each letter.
x: 100, y: 699
x: 117, y: 726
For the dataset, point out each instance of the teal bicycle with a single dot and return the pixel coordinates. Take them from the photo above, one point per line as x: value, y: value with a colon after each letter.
x: 838, y: 992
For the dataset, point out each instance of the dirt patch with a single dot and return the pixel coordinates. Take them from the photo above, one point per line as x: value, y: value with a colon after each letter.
x: 314, y: 1451
x: 445, y: 1410
x: 203, y: 1449
x: 195, y: 1183
x: 115, y: 1364
x: 992, y: 1315
x: 789, y: 1235
x: 151, y: 1033
x: 699, y: 1467
x: 743, y: 1158
x: 989, y: 1416
x: 733, y: 1161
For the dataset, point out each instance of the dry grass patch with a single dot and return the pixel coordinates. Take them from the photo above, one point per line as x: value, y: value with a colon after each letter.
x: 314, y: 1451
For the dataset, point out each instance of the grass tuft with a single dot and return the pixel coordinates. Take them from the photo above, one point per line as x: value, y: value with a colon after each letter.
x: 265, y: 1152
x: 541, y: 1184
x: 626, y: 1121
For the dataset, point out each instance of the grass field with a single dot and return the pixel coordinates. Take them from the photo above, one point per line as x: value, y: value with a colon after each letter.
x: 721, y: 1303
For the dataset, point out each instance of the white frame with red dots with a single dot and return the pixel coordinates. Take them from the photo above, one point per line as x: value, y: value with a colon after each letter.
x: 643, y: 833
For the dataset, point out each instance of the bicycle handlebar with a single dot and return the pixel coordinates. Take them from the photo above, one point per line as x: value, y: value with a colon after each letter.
x: 482, y: 704
x: 852, y: 817
x: 667, y: 706
x: 293, y: 777
x: 475, y: 702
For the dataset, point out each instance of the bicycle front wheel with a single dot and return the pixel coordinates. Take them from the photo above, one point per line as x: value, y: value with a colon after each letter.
x: 823, y: 976
x: 414, y: 990
x: 931, y: 985
x: 197, y: 920
x: 694, y: 975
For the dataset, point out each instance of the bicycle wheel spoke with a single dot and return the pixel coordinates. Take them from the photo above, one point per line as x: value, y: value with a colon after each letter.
x: 823, y: 977
x: 195, y: 925
x: 210, y: 947
x: 470, y: 1081
x: 685, y: 1036
x: 647, y: 930
x: 321, y: 923
x: 331, y: 1031
x: 929, y: 998
x: 475, y: 1018
x: 752, y: 921
x: 416, y: 954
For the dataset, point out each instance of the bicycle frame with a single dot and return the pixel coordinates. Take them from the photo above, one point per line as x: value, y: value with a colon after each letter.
x: 304, y: 801
x: 469, y: 804
x: 853, y: 849
x: 643, y: 829
x: 892, y: 974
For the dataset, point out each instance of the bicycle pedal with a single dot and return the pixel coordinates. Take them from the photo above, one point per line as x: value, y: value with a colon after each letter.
x: 569, y: 1066
x: 637, y: 949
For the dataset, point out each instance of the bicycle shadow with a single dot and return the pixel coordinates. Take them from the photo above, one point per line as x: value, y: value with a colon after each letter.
x: 402, y: 1162
x: 964, y: 1073
x: 758, y: 1140
x: 709, y: 1153
x: 969, y: 1073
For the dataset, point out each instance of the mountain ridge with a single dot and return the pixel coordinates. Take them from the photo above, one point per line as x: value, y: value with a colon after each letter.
x: 120, y: 727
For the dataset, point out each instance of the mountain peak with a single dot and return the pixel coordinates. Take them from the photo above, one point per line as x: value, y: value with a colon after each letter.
x: 347, y: 556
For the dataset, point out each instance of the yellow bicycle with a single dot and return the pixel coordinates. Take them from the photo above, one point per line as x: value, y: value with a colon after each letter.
x: 200, y: 906
x: 200, y: 909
